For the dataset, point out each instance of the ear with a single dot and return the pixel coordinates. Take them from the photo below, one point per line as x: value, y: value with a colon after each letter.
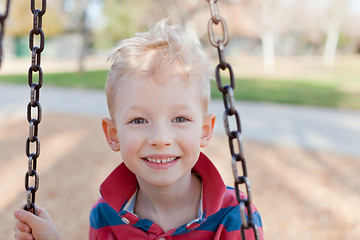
x: 207, y: 129
x: 110, y: 132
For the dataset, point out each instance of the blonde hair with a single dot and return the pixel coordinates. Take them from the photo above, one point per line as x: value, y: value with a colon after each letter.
x: 155, y: 51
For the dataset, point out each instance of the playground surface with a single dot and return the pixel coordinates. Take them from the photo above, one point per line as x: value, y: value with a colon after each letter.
x: 301, y: 193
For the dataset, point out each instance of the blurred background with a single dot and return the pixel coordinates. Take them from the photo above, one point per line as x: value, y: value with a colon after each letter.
x: 311, y: 46
x: 268, y: 29
x: 297, y: 69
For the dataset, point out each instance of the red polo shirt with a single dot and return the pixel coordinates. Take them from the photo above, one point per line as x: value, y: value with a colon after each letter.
x: 112, y: 216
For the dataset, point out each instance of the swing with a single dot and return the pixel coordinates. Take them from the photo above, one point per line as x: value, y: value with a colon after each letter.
x: 234, y: 136
x: 2, y: 25
x: 230, y: 110
x: 34, y: 105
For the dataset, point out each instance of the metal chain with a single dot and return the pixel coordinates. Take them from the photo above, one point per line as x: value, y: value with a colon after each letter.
x: 234, y: 137
x: 2, y: 25
x: 34, y: 109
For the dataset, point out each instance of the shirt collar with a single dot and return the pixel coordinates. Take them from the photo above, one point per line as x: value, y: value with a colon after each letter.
x: 130, y: 205
x: 121, y: 185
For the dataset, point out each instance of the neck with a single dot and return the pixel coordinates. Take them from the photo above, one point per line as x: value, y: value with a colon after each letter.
x: 160, y: 203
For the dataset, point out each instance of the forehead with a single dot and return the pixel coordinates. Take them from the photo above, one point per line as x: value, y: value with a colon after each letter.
x: 166, y: 82
x: 162, y: 91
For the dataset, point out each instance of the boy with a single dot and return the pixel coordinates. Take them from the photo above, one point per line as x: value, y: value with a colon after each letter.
x: 157, y: 92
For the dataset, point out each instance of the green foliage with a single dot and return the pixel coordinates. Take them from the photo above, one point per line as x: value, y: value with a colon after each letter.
x: 123, y: 20
x: 343, y: 41
x: 20, y: 19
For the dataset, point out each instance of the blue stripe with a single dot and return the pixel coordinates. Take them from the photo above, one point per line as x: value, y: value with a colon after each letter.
x: 257, y: 219
x: 212, y: 222
x: 228, y: 217
x: 103, y: 215
x: 144, y: 224
x: 181, y: 230
x: 230, y: 188
x: 232, y: 221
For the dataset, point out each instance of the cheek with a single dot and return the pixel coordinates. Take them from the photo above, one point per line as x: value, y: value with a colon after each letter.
x: 190, y: 140
x: 129, y: 148
x: 129, y: 144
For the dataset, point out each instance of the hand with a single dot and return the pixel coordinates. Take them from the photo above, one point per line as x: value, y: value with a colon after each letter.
x: 29, y: 227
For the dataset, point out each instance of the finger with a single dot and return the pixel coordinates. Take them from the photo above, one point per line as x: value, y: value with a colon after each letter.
x: 25, y: 216
x: 42, y: 213
x: 23, y: 235
x: 31, y: 209
x: 22, y: 227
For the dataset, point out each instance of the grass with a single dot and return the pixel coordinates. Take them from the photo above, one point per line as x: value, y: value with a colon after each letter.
x: 299, y: 92
x: 329, y: 93
x: 92, y: 80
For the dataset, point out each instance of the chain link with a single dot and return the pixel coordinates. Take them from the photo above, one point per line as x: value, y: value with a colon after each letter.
x: 34, y: 109
x: 234, y: 136
x: 2, y: 25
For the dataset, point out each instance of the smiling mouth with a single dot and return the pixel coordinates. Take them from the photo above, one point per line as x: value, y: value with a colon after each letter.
x: 161, y: 160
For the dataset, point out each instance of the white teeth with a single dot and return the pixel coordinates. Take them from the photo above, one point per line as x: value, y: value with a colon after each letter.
x: 156, y: 160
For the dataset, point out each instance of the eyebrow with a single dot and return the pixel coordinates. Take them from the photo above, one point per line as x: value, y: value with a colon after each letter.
x: 175, y: 108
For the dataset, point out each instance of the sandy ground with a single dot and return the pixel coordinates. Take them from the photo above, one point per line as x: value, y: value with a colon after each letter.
x: 300, y: 194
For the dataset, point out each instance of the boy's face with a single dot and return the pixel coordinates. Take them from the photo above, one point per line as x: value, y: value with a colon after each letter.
x: 159, y: 127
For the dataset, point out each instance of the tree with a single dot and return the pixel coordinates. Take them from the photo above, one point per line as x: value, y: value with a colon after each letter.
x: 123, y: 18
x: 20, y: 22
x: 77, y: 15
x: 187, y: 14
x: 269, y: 17
x: 21, y: 19
x: 334, y: 15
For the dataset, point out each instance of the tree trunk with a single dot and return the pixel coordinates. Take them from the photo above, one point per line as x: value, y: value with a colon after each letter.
x: 331, y: 45
x: 268, y: 44
x: 85, y: 35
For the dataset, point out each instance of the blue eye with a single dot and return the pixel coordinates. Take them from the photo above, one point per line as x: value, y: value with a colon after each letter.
x: 138, y: 121
x: 181, y: 119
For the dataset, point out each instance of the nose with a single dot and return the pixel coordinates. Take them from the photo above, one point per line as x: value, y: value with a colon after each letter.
x: 160, y: 136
